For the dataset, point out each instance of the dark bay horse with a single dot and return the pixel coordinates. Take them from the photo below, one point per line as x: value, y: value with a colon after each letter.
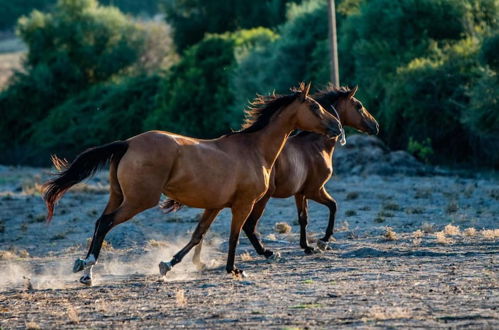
x: 305, y: 165
x: 231, y: 171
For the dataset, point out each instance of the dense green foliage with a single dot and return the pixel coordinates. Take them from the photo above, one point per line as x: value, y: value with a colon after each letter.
x: 103, y: 113
x: 194, y: 98
x: 11, y: 10
x: 191, y: 19
x: 427, y: 69
x: 77, y: 45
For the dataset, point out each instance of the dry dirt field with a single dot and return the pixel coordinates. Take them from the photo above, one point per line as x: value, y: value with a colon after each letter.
x: 410, y: 251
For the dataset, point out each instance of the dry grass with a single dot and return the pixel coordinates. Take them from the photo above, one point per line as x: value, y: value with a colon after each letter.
x: 282, y: 228
x: 7, y: 255
x: 271, y: 237
x: 452, y: 230
x: 390, y: 235
x: 32, y: 325
x: 418, y: 234
x: 379, y: 313
x: 73, y: 315
x: 180, y: 298
x: 490, y: 233
x: 442, y: 239
x: 470, y: 232
x: 245, y: 256
x: 428, y: 227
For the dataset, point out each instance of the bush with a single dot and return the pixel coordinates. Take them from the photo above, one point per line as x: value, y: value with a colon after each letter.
x: 286, y: 61
x: 75, y: 46
x: 482, y: 119
x: 195, y: 98
x: 387, y: 34
x: 12, y: 10
x: 102, y: 114
x: 191, y: 20
x: 427, y: 98
x: 489, y: 51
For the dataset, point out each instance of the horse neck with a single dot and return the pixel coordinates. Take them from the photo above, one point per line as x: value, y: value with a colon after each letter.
x: 272, y: 138
x: 328, y: 144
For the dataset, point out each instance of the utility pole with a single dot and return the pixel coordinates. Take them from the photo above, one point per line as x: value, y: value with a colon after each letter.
x: 333, y: 42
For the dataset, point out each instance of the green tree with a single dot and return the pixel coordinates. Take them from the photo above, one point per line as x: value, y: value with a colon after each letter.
x: 105, y: 112
x: 76, y: 45
x: 195, y: 98
x: 300, y: 53
x: 192, y: 19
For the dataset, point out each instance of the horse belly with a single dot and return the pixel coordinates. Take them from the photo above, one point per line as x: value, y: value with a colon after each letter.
x: 289, y: 179
x: 202, y: 183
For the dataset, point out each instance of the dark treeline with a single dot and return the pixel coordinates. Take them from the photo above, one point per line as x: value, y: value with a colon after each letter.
x: 426, y: 68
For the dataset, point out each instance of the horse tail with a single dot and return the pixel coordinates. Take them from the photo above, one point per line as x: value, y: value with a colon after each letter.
x: 85, y: 165
x: 170, y: 205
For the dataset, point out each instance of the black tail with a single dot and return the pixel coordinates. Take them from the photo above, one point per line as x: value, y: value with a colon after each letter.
x: 85, y: 165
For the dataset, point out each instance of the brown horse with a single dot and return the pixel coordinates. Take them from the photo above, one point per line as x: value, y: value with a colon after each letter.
x: 305, y: 165
x: 231, y: 171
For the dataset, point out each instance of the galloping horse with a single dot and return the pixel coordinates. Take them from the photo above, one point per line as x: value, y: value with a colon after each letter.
x: 231, y: 171
x: 305, y: 165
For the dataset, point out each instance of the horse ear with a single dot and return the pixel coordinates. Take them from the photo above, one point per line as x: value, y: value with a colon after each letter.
x: 307, y: 89
x: 352, y: 92
x: 304, y: 90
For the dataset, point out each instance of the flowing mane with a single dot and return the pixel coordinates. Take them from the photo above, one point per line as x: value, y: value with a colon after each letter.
x: 330, y: 95
x: 262, y: 108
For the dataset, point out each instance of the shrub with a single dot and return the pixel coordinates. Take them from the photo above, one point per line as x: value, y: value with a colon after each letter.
x: 284, y: 62
x: 191, y: 20
x: 102, y: 114
x: 77, y: 45
x: 427, y: 98
x: 195, y: 97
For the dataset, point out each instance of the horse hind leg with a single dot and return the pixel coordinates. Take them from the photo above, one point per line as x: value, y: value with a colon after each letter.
x: 102, y: 226
x: 115, y: 200
x: 197, y: 237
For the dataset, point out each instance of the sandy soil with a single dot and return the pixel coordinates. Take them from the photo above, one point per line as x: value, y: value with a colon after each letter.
x: 420, y: 273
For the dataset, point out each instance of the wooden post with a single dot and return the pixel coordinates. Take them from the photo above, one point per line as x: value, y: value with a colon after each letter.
x: 333, y: 42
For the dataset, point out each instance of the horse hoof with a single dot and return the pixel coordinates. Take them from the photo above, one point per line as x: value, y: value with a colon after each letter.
x: 85, y: 279
x: 275, y: 256
x: 79, y: 265
x: 323, y: 246
x: 238, y: 273
x: 310, y: 250
x: 164, y: 267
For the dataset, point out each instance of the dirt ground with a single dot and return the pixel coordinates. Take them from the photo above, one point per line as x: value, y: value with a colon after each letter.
x: 409, y: 251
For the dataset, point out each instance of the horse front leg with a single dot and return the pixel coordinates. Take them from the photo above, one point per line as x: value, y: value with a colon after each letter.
x: 197, y: 237
x: 250, y: 228
x: 302, y: 208
x: 325, y: 199
x: 240, y: 212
